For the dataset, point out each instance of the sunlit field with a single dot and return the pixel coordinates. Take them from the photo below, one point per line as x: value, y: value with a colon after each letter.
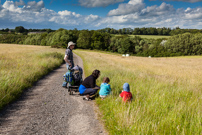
x: 21, y: 65
x: 147, y: 36
x: 151, y: 36
x: 166, y: 91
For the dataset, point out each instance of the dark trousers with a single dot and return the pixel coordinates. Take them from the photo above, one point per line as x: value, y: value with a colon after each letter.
x: 90, y: 91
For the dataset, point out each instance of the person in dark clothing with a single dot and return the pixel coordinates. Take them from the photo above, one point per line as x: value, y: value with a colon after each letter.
x: 88, y: 86
x: 69, y: 55
x: 69, y: 60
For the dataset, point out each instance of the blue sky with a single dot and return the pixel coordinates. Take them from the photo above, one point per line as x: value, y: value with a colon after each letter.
x: 98, y: 14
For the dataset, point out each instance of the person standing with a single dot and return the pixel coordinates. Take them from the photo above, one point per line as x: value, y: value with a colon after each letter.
x: 69, y: 64
x: 69, y: 55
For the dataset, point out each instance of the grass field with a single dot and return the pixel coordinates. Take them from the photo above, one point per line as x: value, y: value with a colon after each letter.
x: 151, y: 36
x: 148, y: 36
x: 166, y: 91
x: 21, y: 65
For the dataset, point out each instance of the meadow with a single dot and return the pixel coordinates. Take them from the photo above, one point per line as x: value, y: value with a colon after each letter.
x: 151, y: 36
x: 166, y: 93
x: 146, y: 36
x: 22, y: 65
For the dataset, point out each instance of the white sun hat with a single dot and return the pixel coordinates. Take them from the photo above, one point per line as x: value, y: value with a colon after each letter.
x: 71, y: 43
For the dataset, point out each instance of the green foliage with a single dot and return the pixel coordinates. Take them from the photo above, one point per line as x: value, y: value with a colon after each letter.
x: 125, y: 46
x: 12, y: 38
x: 162, y: 103
x: 84, y: 39
x: 182, y: 44
x: 20, y: 29
x: 185, y: 44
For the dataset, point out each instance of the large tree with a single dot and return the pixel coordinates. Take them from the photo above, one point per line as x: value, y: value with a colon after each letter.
x: 20, y: 29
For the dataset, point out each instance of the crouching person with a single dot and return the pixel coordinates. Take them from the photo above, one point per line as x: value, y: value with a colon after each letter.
x: 88, y: 86
x: 126, y: 94
x: 105, y: 88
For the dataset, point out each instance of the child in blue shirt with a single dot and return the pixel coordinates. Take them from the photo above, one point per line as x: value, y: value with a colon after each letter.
x: 105, y: 88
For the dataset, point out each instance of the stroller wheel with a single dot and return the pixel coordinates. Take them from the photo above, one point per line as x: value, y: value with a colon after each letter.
x: 71, y: 93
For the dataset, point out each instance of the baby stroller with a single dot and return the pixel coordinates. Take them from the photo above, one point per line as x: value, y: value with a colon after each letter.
x: 73, y: 78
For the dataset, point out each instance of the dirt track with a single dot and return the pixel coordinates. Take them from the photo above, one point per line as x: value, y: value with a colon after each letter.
x: 48, y: 109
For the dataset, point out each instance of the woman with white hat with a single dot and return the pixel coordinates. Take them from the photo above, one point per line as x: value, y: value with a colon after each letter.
x: 69, y: 55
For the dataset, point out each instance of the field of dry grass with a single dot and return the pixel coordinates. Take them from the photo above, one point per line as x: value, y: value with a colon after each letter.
x: 21, y: 65
x: 167, y: 93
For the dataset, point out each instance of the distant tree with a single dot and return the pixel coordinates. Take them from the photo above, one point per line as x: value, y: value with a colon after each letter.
x: 137, y: 31
x: 84, y: 40
x: 125, y: 46
x: 124, y: 31
x: 7, y: 29
x: 129, y: 31
x: 112, y: 31
x: 20, y: 29
x: 160, y: 31
x: 120, y: 31
x: 48, y: 30
x: 97, y: 40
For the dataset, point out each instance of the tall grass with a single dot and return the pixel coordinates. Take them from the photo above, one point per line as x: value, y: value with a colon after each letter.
x: 151, y: 36
x: 166, y: 91
x: 20, y: 66
x: 147, y: 36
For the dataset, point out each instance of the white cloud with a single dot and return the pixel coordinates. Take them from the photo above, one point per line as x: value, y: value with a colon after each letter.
x: 91, y: 18
x: 68, y: 13
x: 163, y: 9
x: 98, y: 3
x: 20, y: 3
x: 10, y: 12
x: 10, y: 6
x: 193, y: 14
x: 164, y: 15
x: 191, y: 1
x: 131, y: 14
x: 132, y: 6
x: 34, y: 6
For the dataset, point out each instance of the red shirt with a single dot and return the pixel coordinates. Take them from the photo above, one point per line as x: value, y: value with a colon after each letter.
x: 127, y: 96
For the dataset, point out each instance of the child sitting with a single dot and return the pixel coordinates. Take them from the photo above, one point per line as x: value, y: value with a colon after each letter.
x: 105, y: 88
x: 126, y: 94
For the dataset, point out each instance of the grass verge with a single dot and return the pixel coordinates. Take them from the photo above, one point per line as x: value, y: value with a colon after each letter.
x: 21, y: 66
x: 166, y: 91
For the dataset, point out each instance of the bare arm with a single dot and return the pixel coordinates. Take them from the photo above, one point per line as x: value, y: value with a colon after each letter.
x: 66, y: 60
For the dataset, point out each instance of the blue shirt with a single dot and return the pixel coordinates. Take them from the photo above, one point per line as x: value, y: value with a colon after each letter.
x: 82, y: 89
x: 105, y: 89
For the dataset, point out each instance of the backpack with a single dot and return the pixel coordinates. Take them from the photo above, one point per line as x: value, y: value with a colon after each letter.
x: 68, y: 77
x: 77, y: 73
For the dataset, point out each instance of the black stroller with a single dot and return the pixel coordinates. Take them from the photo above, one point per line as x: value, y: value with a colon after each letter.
x: 76, y: 79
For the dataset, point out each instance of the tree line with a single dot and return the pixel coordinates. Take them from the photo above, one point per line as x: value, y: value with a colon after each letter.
x: 123, y: 31
x: 22, y: 30
x: 150, y: 31
x: 181, y: 44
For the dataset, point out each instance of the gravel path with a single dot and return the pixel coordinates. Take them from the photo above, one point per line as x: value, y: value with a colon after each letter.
x: 48, y: 109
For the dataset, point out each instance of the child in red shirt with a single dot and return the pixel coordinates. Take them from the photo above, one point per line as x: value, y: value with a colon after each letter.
x: 126, y: 94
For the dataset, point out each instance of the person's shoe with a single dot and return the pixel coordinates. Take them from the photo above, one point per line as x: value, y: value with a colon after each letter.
x: 85, y: 98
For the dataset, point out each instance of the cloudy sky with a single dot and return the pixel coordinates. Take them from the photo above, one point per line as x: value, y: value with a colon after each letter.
x: 98, y: 14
